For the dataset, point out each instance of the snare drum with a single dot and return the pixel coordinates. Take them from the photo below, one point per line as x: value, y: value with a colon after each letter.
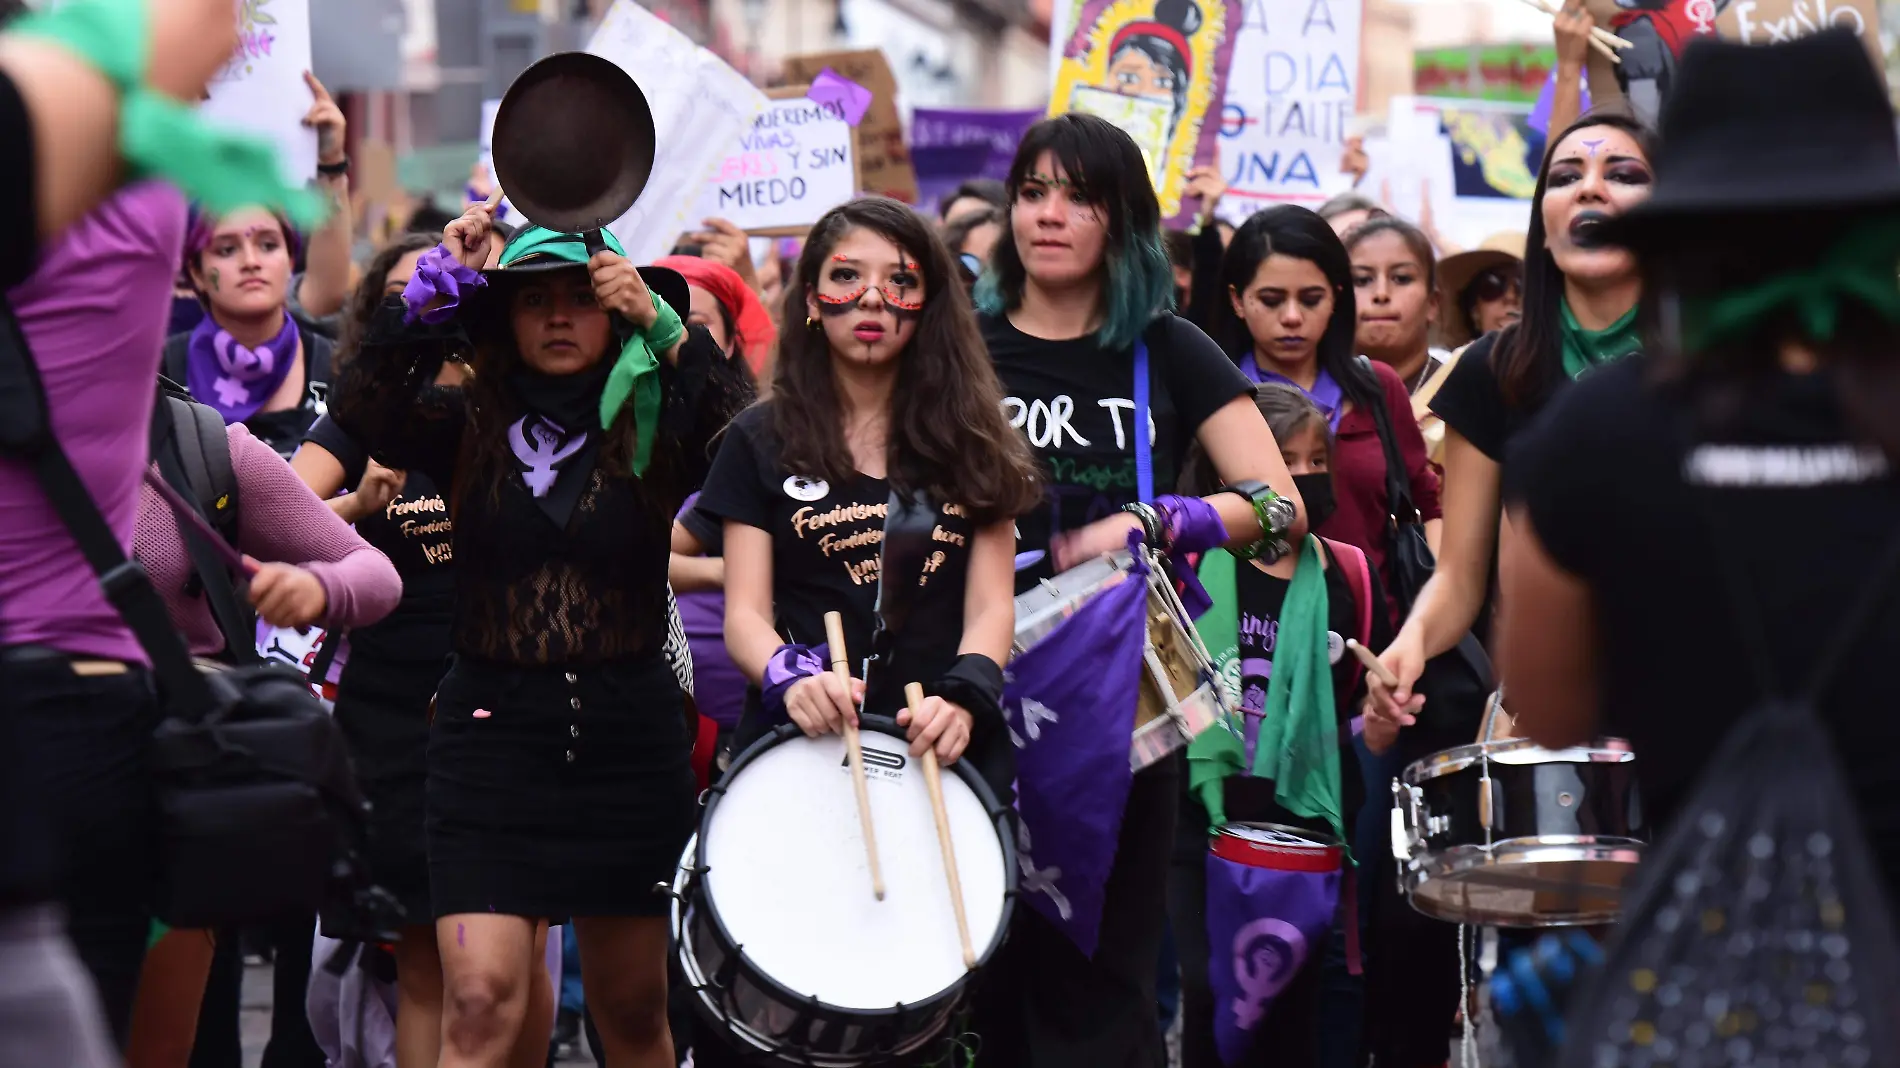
x: 773, y: 919
x: 1509, y: 834
x: 1179, y: 696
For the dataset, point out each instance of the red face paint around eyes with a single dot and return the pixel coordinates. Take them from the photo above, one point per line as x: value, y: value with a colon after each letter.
x: 841, y: 305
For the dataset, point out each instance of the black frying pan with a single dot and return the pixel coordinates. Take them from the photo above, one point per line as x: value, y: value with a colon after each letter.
x: 574, y: 144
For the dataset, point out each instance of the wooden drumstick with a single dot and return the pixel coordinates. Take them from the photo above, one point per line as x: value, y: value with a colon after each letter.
x: 841, y: 665
x: 933, y: 780
x: 1372, y: 664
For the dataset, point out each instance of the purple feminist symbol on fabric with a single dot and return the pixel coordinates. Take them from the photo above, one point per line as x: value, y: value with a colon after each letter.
x: 1594, y: 145
x: 1267, y: 955
x: 240, y: 367
x: 541, y: 446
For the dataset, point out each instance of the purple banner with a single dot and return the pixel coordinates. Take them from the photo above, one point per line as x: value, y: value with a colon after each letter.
x: 1070, y: 702
x: 951, y: 145
x: 1263, y: 926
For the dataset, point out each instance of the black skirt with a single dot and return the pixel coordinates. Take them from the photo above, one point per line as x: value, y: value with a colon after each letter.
x: 382, y: 705
x: 573, y: 796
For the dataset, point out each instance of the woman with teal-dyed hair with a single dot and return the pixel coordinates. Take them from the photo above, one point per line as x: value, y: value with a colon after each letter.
x: 1078, y: 296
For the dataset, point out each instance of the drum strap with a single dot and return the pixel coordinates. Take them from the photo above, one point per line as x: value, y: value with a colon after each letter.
x: 1144, y: 449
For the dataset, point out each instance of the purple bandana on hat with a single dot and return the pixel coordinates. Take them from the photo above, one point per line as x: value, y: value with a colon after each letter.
x: 541, y: 446
x: 1070, y: 704
x: 1326, y: 392
x: 1263, y: 925
x: 233, y: 379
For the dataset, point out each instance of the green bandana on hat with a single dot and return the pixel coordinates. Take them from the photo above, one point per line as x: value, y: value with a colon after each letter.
x: 636, y: 371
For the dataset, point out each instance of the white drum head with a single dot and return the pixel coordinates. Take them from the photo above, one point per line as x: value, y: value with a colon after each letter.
x: 788, y: 876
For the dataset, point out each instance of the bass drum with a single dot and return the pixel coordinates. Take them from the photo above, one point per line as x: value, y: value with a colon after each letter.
x: 776, y: 929
x: 1509, y: 834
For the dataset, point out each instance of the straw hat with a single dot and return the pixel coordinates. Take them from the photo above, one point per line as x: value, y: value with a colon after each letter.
x: 1457, y: 272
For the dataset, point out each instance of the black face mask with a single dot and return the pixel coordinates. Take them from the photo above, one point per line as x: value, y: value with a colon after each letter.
x: 1316, y: 490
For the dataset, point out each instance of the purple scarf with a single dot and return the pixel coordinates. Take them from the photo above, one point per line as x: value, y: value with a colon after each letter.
x: 231, y: 378
x: 1325, y: 392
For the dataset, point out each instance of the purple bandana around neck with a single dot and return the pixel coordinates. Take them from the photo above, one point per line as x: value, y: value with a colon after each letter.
x: 1325, y: 392
x: 231, y: 378
x: 542, y: 446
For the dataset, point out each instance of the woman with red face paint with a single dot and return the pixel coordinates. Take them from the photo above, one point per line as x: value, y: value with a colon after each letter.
x: 1076, y: 300
x: 883, y: 388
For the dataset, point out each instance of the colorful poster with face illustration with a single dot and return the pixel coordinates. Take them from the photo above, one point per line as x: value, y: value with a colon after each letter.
x: 1157, y: 69
x: 262, y: 91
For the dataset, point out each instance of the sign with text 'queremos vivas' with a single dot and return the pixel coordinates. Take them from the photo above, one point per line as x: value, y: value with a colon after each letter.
x: 1292, y: 87
x: 796, y: 163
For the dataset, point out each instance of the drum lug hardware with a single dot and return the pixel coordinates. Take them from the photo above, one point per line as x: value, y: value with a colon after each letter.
x: 666, y: 890
x: 1409, y: 828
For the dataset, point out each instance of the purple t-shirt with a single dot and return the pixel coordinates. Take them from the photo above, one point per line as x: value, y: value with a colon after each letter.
x: 94, y: 314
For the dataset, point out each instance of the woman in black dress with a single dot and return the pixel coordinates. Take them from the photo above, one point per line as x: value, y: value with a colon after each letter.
x: 1078, y: 281
x: 559, y: 776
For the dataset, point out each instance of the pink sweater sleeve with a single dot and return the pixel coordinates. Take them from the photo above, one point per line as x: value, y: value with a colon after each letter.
x: 281, y: 521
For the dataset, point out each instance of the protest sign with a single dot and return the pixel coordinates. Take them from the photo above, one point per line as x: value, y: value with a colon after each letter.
x: 1291, y: 91
x: 1468, y: 167
x: 950, y: 145
x: 262, y: 91
x: 797, y: 162
x: 1156, y: 69
x: 883, y: 159
x: 701, y: 107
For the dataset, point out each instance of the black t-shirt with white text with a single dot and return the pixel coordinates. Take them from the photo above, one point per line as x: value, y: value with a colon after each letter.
x: 1804, y: 510
x: 414, y: 531
x: 826, y: 554
x: 1074, y: 401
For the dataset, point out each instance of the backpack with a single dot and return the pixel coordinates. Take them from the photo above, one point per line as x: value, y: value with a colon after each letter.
x: 197, y: 433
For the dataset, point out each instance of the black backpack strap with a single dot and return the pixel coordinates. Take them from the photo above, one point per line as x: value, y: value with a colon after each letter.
x: 201, y: 444
x: 170, y: 439
x: 176, y: 358
x: 26, y: 433
x: 1398, y: 487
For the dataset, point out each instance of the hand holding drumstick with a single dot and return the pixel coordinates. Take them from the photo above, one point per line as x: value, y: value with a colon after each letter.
x: 933, y: 781
x: 841, y: 666
x: 1383, y: 722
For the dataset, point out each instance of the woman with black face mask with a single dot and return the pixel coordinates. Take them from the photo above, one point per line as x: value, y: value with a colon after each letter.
x: 1315, y: 1019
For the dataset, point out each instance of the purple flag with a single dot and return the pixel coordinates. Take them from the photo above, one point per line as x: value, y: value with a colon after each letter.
x: 1263, y: 926
x: 1539, y: 119
x: 950, y: 145
x: 1070, y: 702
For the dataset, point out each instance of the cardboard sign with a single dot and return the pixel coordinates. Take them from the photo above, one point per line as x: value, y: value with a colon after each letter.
x: 1159, y: 81
x: 1291, y: 93
x: 262, y: 91
x: 1770, y: 21
x: 796, y: 163
x: 883, y: 159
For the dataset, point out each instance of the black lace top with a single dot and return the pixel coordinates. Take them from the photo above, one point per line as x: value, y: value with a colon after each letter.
x: 527, y: 591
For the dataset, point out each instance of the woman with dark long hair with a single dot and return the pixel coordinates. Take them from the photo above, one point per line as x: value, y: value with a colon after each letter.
x: 1580, y: 302
x: 1076, y: 299
x: 1291, y: 315
x: 559, y: 781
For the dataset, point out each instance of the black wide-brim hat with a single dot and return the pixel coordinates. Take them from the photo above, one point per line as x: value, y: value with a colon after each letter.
x: 1753, y: 129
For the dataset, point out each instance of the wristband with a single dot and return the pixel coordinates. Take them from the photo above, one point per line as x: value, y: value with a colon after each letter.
x: 332, y: 170
x: 975, y: 682
x: 1274, y: 513
x: 439, y: 274
x: 1190, y: 525
x: 786, y: 666
x: 1151, y: 530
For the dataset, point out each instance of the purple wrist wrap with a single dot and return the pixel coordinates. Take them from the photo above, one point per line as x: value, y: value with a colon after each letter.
x: 1193, y: 526
x: 439, y: 274
x: 789, y: 664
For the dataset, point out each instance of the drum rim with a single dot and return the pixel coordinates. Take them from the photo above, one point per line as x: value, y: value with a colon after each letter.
x: 1459, y: 757
x: 1442, y: 865
x: 984, y: 795
x: 1316, y: 839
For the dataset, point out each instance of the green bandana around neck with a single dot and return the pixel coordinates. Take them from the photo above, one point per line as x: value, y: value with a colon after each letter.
x: 1862, y: 269
x: 1298, y: 743
x: 1584, y: 349
x: 636, y: 370
x: 160, y: 137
